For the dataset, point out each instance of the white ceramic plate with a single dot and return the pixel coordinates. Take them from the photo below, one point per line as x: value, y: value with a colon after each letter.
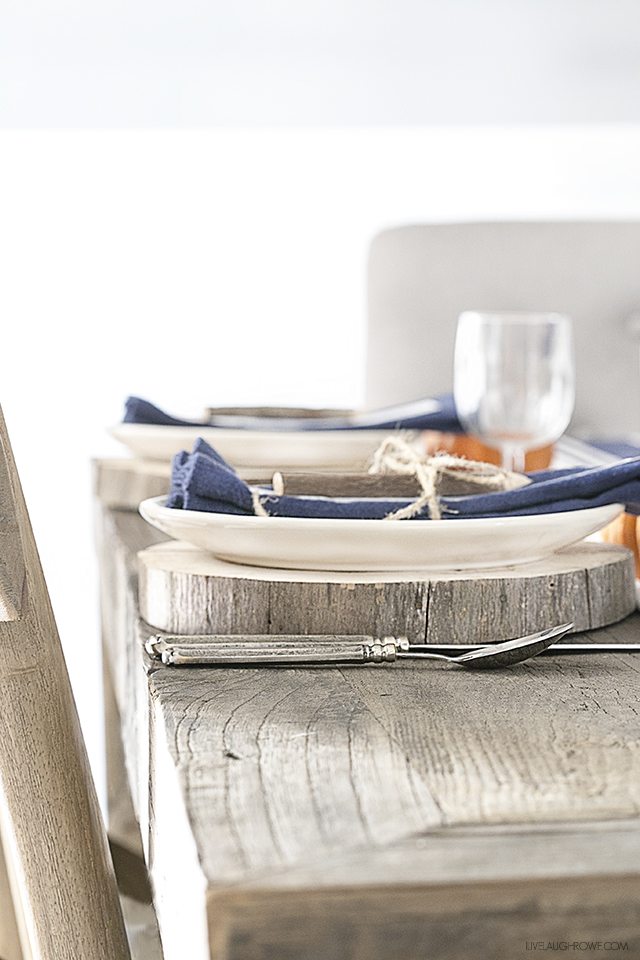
x: 313, y: 544
x: 344, y: 449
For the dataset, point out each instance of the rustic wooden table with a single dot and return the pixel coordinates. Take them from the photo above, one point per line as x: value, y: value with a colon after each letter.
x: 401, y: 813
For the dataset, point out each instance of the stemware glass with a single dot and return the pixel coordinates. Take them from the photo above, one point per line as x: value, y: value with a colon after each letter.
x: 514, y: 380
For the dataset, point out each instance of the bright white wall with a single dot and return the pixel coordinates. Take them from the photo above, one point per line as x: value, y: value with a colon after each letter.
x: 210, y: 62
x: 224, y: 266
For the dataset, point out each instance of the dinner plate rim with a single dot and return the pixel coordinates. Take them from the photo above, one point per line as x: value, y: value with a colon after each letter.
x: 159, y: 503
x: 230, y: 433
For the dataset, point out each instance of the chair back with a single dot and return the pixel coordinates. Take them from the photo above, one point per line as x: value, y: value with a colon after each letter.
x: 62, y: 881
x: 420, y: 278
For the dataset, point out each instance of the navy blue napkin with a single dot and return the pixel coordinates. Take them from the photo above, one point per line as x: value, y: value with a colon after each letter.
x: 202, y: 480
x: 137, y: 410
x: 418, y: 415
x: 618, y: 448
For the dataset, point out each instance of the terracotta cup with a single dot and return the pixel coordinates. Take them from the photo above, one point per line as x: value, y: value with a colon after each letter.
x: 625, y: 530
x: 465, y: 446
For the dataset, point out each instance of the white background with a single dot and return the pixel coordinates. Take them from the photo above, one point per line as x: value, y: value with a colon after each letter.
x: 227, y: 263
x: 352, y: 62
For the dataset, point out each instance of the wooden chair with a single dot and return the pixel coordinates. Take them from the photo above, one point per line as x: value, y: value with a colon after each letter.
x: 65, y: 899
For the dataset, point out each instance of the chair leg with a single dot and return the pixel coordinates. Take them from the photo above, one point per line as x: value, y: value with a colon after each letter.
x: 131, y: 873
x: 9, y: 936
x: 124, y: 834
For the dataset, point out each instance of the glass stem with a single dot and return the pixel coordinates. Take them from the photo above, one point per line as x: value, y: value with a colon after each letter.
x: 513, y: 458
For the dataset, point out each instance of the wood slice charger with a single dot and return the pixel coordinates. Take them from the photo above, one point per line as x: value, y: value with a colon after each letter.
x: 187, y: 591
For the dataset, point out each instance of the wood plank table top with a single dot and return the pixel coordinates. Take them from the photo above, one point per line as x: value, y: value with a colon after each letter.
x: 400, y: 813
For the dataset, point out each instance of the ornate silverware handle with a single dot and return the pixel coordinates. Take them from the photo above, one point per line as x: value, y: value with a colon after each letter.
x: 230, y: 649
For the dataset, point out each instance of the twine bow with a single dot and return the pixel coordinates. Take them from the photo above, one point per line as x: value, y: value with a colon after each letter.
x: 395, y: 455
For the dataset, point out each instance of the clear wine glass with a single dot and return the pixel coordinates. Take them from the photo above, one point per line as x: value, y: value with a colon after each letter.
x: 514, y: 383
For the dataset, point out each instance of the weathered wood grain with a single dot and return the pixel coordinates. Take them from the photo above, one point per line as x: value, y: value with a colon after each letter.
x: 327, y: 484
x: 119, y: 536
x: 123, y: 826
x: 182, y: 588
x: 365, y: 778
x: 497, y: 921
x: 391, y: 814
x: 122, y: 483
x: 436, y: 748
x: 63, y: 882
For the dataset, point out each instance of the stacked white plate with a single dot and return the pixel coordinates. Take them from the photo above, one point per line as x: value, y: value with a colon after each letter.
x: 326, y: 449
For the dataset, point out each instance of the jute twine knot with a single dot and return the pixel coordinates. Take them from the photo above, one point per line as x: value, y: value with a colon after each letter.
x: 396, y: 455
x: 258, y: 506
